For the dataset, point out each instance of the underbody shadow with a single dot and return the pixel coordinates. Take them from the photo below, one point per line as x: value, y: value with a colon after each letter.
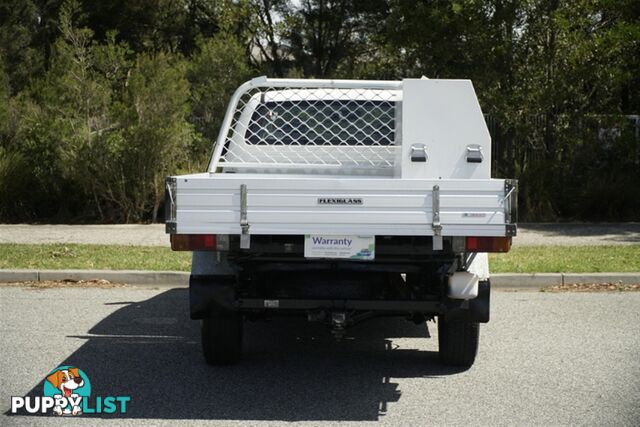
x: 292, y: 370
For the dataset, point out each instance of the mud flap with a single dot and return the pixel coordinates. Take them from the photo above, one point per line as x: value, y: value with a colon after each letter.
x: 211, y: 296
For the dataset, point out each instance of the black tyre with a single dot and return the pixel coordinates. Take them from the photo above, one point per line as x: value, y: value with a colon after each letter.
x: 222, y: 339
x: 458, y: 342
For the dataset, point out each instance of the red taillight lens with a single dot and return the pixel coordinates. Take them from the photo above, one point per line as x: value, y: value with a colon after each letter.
x: 193, y: 242
x: 488, y: 244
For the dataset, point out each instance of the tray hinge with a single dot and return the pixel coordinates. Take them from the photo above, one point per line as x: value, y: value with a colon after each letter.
x: 170, y: 190
x: 510, y: 201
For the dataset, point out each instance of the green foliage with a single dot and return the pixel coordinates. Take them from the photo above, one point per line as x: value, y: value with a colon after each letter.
x: 571, y: 67
x: 4, y: 99
x: 150, y: 139
x: 100, y: 130
x: 217, y: 68
x: 15, y: 182
x: 19, y: 31
x: 100, y: 100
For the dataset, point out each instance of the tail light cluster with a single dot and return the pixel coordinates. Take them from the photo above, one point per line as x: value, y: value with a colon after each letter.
x: 488, y: 244
x: 199, y: 242
x: 220, y: 242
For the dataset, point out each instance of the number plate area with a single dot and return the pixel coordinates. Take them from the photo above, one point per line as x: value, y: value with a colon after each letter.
x: 339, y: 247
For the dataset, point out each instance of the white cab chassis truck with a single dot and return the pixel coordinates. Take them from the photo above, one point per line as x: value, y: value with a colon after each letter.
x: 341, y: 200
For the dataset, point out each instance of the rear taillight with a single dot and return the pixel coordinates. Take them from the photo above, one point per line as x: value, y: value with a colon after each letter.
x: 199, y: 242
x: 488, y: 244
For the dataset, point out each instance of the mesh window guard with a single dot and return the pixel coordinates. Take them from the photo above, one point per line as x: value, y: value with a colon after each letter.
x: 312, y: 125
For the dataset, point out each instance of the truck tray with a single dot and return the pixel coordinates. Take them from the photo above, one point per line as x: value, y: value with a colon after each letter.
x: 288, y: 204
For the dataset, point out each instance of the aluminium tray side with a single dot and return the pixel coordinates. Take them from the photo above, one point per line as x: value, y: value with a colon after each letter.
x: 286, y: 205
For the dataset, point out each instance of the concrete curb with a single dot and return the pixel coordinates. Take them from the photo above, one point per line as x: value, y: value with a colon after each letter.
x: 181, y: 279
x: 130, y: 277
x: 541, y: 280
x: 525, y: 281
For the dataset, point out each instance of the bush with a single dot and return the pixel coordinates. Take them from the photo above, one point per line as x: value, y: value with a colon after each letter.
x: 215, y: 71
x: 150, y: 139
x: 15, y: 183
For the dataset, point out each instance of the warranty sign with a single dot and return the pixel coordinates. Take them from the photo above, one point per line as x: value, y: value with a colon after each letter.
x: 339, y: 246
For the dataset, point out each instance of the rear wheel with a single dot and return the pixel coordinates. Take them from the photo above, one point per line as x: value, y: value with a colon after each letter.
x: 222, y: 339
x: 458, y: 342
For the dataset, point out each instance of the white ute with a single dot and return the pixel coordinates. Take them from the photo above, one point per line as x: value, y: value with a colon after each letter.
x: 341, y: 200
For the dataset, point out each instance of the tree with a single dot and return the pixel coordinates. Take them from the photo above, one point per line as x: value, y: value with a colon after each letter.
x: 315, y: 38
x: 18, y: 27
x: 152, y: 139
x: 4, y: 100
x: 572, y: 65
x: 57, y: 117
x: 155, y: 25
x: 14, y: 179
x: 217, y: 68
x: 324, y: 34
x: 98, y: 100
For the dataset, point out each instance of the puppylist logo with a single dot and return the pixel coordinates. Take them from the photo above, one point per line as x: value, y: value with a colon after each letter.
x: 67, y: 391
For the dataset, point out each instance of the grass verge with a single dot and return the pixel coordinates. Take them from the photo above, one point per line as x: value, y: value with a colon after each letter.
x: 528, y: 259
x: 567, y: 259
x: 92, y: 257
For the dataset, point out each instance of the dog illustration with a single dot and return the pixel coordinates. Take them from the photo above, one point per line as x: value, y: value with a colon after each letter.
x: 66, y: 380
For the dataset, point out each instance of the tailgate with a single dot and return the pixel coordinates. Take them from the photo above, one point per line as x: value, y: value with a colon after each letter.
x: 302, y: 204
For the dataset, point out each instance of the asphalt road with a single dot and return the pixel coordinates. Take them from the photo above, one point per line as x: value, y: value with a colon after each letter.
x: 574, y: 234
x: 544, y: 359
